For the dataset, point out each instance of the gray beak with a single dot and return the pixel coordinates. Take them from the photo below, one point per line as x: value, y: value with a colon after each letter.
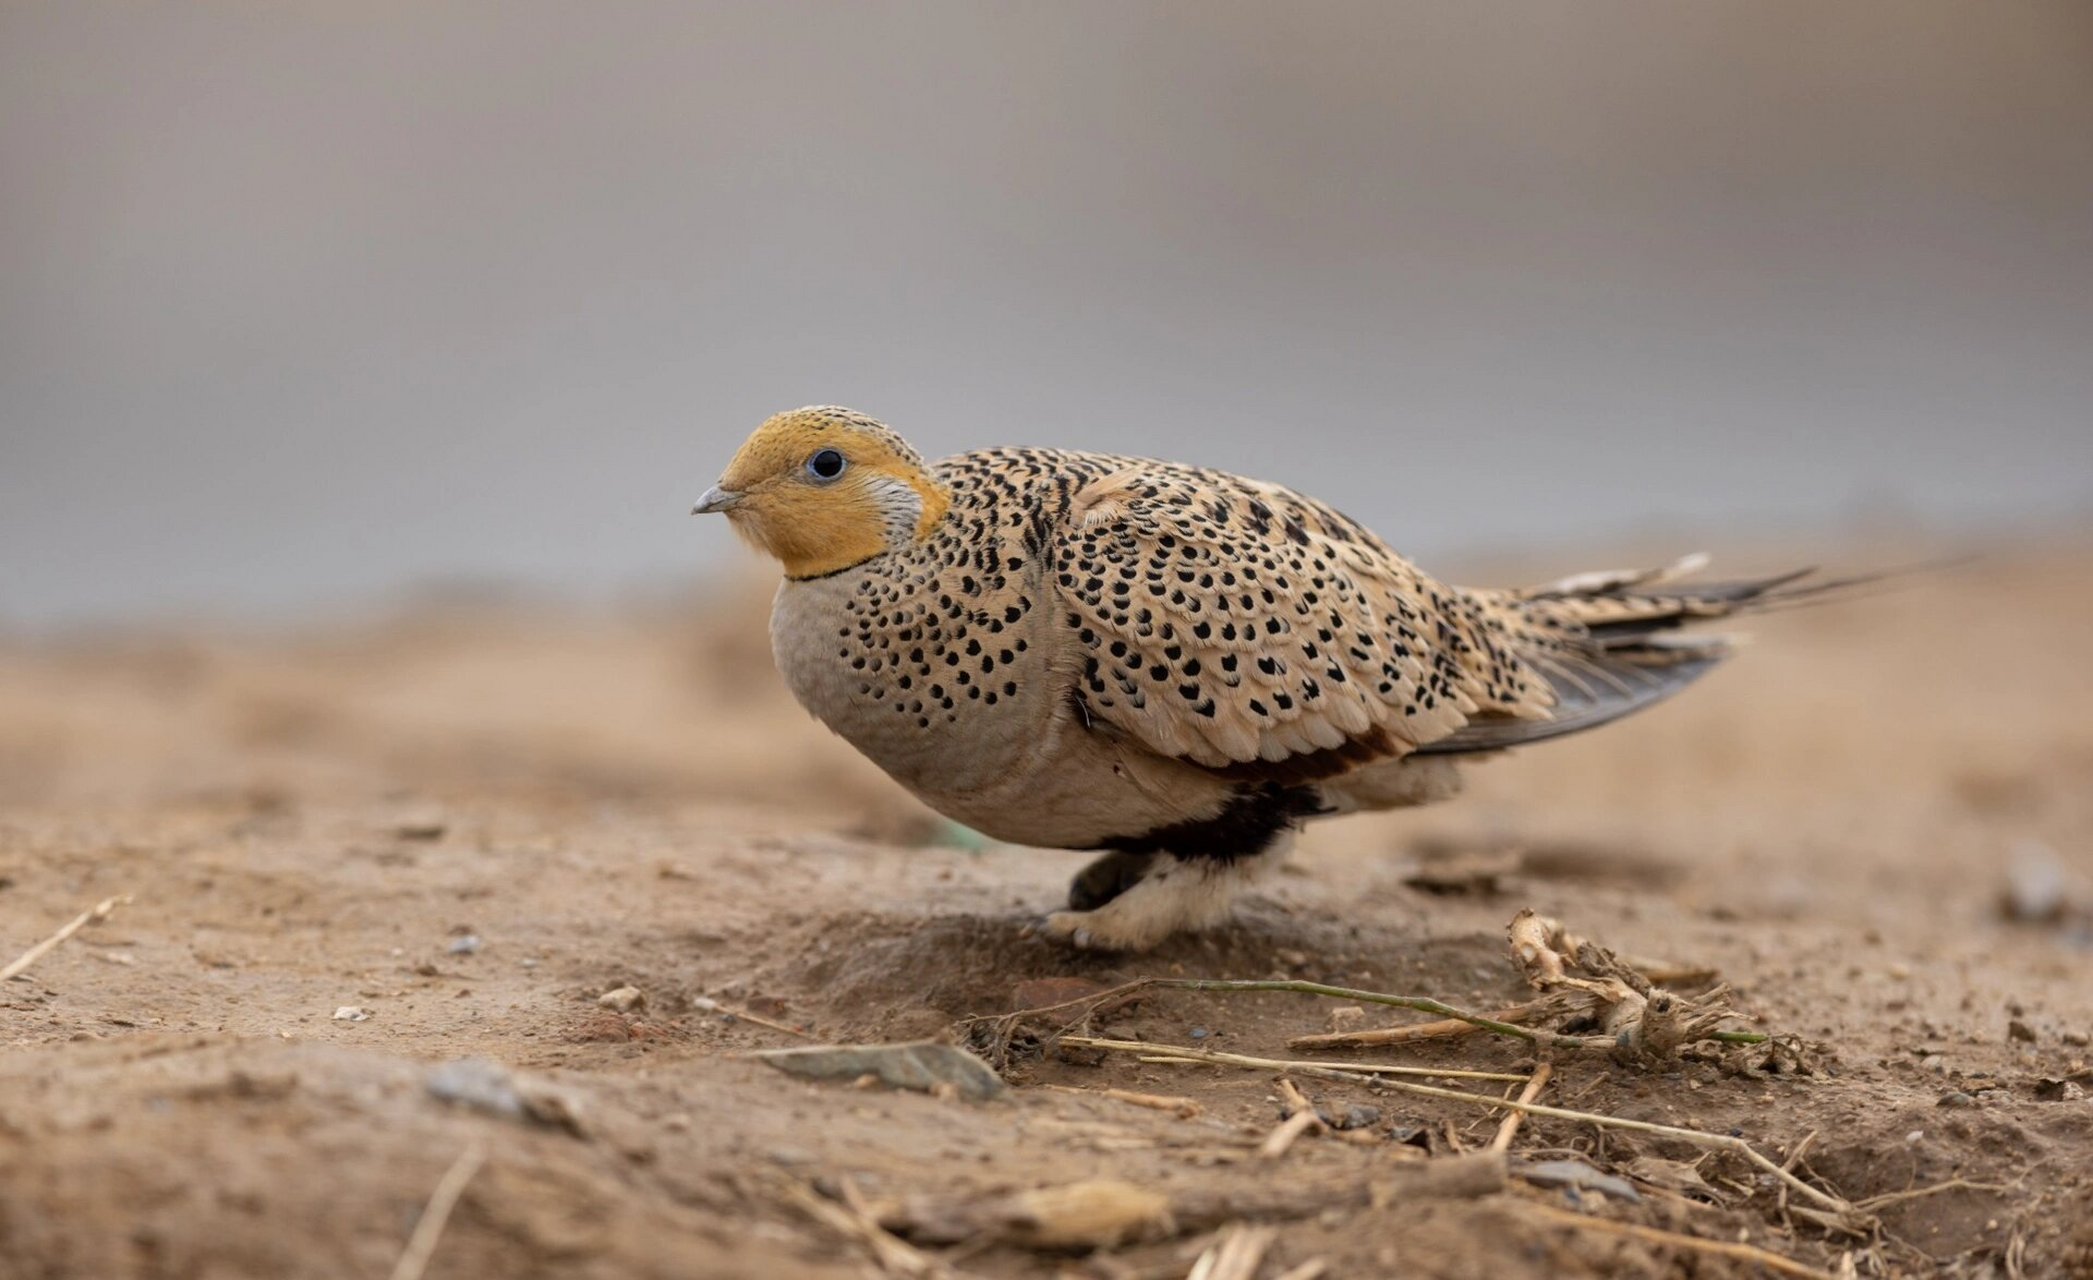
x: 715, y: 499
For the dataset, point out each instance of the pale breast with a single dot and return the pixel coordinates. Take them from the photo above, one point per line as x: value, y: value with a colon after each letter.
x: 949, y: 666
x: 930, y: 662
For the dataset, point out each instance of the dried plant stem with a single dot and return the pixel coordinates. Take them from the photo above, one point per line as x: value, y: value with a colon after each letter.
x: 1425, y: 1004
x: 1442, y: 1029
x: 1323, y: 1070
x: 1185, y: 1108
x: 1510, y: 1127
x: 761, y: 1021
x: 1281, y: 1139
x: 93, y: 915
x: 1677, y: 1240
x: 436, y: 1214
x: 1718, y: 1141
x: 1420, y: 1004
x: 1236, y: 1255
x: 891, y: 1254
x: 1920, y: 1193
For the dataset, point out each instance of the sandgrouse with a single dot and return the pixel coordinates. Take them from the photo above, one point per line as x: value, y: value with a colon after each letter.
x: 1172, y: 665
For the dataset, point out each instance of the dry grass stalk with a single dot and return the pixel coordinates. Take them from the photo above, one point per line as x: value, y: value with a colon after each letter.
x: 992, y: 1035
x: 93, y: 915
x: 1443, y: 1029
x: 1420, y: 1004
x: 1837, y: 1206
x: 436, y: 1214
x: 893, y: 1255
x: 1167, y: 1053
x: 1184, y: 1108
x: 761, y: 1021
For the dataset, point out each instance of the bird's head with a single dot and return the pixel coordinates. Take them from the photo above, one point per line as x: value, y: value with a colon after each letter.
x: 825, y: 488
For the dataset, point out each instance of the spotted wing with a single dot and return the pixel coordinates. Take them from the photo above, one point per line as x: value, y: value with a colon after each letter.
x: 1246, y: 628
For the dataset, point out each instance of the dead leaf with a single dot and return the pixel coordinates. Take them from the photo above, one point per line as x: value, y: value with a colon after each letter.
x: 1577, y: 1174
x: 1676, y: 1176
x: 922, y: 1065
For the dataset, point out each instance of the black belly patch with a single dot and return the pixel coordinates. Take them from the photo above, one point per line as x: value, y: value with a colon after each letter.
x: 1245, y: 827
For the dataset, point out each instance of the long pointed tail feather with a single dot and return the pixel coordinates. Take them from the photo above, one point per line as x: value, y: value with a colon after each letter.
x: 1611, y: 643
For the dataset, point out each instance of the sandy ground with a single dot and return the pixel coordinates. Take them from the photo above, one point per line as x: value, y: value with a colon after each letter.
x: 468, y: 823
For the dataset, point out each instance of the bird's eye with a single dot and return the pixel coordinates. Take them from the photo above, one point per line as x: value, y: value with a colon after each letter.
x: 826, y: 464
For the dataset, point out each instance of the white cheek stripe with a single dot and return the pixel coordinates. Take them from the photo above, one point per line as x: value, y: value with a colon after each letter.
x: 900, y: 506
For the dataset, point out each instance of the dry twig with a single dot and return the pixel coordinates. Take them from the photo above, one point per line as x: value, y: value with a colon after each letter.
x: 93, y: 915
x: 761, y: 1021
x: 1920, y: 1193
x: 1510, y: 1127
x: 893, y: 1255
x: 428, y: 1229
x: 1442, y: 1029
x: 1420, y: 1004
x: 1300, y: 1117
x: 1291, y: 1097
x: 1322, y: 1070
x: 1281, y: 1139
x: 1719, y: 1141
x: 1184, y: 1108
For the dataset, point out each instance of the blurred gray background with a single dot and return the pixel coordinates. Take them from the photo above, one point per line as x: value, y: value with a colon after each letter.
x: 300, y: 304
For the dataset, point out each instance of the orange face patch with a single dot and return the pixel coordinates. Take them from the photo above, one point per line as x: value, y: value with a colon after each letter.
x: 816, y: 524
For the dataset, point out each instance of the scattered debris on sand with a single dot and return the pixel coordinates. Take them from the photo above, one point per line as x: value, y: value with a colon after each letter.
x: 1802, y: 992
x: 927, y: 1066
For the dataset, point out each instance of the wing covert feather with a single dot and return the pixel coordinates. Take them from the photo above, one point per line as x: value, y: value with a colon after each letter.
x: 1235, y: 624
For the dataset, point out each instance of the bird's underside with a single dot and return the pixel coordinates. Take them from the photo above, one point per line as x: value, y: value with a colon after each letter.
x: 1180, y: 667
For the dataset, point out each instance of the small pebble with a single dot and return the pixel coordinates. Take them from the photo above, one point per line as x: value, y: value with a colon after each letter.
x: 351, y: 1013
x: 1358, y: 1116
x: 623, y: 999
x: 704, y: 1004
x: 420, y: 826
x: 1956, y: 1098
x: 476, y: 1083
x: 2018, y: 1030
x: 1200, y: 1033
x: 464, y: 946
x: 2059, y: 1091
x: 2076, y: 1039
x: 2035, y: 884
